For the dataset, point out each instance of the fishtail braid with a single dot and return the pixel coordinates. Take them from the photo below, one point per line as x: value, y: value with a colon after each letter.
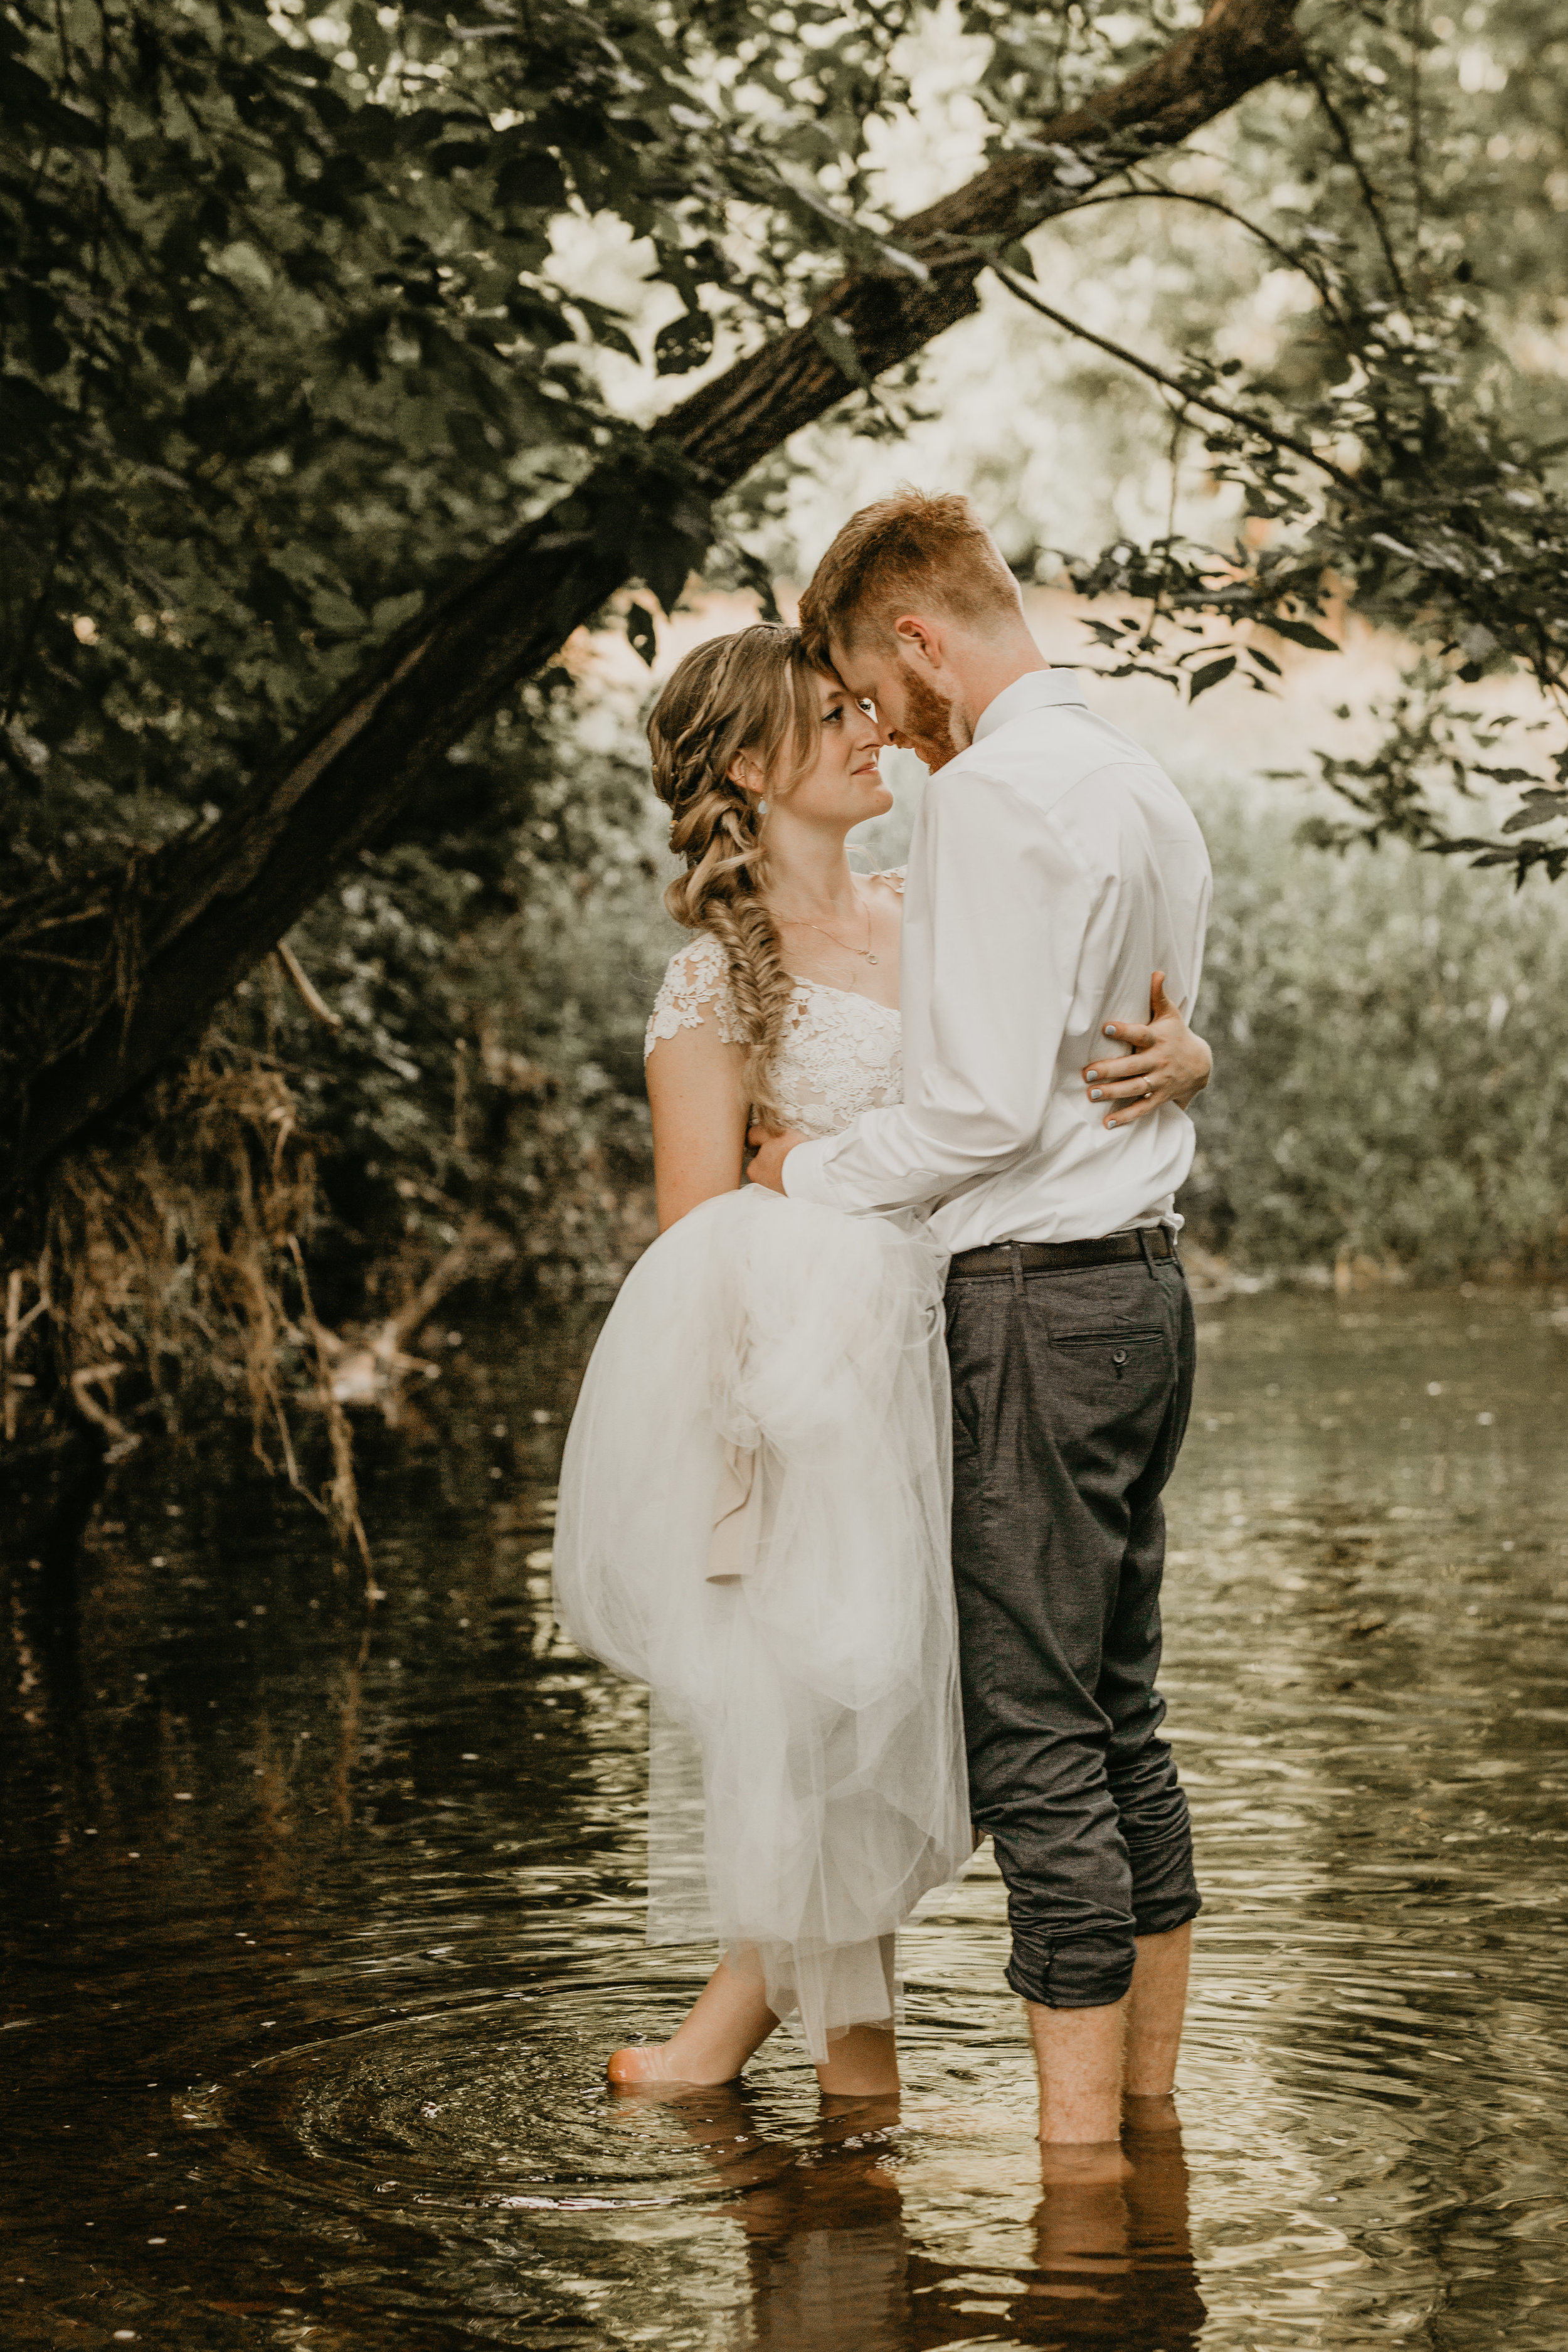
x: 753, y: 692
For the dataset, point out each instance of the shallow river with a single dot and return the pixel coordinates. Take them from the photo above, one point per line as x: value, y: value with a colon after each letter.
x: 320, y: 1919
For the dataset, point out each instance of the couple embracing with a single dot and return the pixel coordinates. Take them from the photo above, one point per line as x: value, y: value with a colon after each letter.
x: 865, y: 1477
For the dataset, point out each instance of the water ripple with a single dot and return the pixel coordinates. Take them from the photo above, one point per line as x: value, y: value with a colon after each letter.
x: 319, y: 1926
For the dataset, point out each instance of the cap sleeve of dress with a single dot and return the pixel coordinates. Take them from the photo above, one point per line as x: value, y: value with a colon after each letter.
x: 695, y: 988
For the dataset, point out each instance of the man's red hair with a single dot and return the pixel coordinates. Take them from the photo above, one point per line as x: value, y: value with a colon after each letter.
x: 908, y: 553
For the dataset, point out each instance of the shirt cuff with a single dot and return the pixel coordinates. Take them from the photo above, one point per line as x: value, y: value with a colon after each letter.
x: 805, y: 1174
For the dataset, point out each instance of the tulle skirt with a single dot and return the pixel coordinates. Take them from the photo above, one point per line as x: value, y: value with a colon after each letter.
x: 753, y: 1520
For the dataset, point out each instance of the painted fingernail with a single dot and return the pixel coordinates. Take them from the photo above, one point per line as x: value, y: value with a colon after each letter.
x: 1094, y: 1094
x: 1091, y: 1076
x: 1111, y: 1029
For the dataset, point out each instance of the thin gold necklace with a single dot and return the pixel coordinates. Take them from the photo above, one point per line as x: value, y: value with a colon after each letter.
x: 807, y: 924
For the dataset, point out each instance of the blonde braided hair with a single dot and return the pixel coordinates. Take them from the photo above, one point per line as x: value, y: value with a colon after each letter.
x: 755, y: 693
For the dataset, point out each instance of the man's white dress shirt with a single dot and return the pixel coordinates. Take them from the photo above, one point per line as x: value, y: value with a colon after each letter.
x: 1055, y: 865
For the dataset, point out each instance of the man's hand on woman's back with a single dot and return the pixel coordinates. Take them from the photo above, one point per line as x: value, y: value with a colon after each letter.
x: 767, y: 1167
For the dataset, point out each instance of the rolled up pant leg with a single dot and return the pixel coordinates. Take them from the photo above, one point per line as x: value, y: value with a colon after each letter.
x: 1070, y: 1398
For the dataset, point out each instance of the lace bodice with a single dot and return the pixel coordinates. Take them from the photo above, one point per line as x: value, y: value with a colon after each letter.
x: 841, y: 1053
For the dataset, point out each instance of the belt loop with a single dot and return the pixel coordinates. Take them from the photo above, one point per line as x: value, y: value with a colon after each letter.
x: 1148, y: 1253
x: 1017, y: 1255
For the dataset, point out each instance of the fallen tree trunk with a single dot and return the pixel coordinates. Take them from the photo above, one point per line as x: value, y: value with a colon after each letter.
x: 162, y: 943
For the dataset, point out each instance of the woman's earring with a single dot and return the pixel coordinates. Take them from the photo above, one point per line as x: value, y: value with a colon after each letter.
x: 762, y: 808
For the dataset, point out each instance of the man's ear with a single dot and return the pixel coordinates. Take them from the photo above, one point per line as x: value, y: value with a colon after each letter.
x: 918, y: 640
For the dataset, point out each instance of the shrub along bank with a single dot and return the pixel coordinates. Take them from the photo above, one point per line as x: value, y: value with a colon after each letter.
x: 1388, y: 1082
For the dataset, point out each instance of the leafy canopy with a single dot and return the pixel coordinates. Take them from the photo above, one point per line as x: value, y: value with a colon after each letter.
x: 286, y: 345
x: 1399, y: 457
x: 290, y: 339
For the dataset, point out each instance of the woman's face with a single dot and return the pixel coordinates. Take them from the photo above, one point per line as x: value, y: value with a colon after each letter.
x: 843, y: 786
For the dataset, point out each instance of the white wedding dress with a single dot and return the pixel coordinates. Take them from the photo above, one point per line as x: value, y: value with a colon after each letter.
x: 753, y: 1519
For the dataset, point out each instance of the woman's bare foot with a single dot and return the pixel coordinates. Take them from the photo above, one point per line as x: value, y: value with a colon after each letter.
x: 655, y: 2062
x: 727, y: 2022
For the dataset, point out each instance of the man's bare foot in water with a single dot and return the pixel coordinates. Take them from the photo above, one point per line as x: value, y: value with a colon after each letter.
x: 728, y: 2021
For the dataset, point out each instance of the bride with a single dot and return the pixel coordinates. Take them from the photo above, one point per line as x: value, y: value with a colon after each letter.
x: 755, y: 1495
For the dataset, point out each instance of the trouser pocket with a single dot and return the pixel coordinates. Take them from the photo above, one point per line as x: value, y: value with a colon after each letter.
x: 1118, y: 1350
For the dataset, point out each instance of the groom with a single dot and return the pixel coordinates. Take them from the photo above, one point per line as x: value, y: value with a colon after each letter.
x: 1054, y: 866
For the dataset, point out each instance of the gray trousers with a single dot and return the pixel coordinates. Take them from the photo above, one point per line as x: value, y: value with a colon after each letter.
x: 1070, y: 1393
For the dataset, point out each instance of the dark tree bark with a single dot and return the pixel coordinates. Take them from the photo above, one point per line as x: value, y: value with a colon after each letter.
x: 189, y: 921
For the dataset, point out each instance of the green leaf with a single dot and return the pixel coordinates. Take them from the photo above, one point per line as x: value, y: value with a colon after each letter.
x: 274, y: 596
x: 50, y: 350
x: 685, y: 343
x: 333, y: 612
x: 1540, y: 807
x: 537, y: 317
x: 640, y: 630
x: 840, y: 343
x: 417, y: 130
x: 172, y: 352
x: 390, y: 612
x: 607, y: 328
x: 310, y: 63
x: 459, y: 155
x: 663, y: 544
x: 371, y: 131
x: 242, y: 266
x: 1301, y: 632
x: 333, y: 110
x: 1210, y: 674
x: 533, y: 182
x: 468, y: 439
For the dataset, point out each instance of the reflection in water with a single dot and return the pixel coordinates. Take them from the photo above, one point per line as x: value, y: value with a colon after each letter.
x: 319, y: 1922
x: 1113, y: 2256
x: 831, y: 2264
x: 826, y: 2253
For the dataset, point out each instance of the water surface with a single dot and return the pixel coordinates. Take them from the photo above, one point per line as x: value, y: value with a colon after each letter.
x: 320, y: 1916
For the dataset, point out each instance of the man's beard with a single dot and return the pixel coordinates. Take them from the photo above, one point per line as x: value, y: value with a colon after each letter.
x: 927, y: 727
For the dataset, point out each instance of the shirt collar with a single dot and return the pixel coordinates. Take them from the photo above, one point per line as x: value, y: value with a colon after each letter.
x: 1033, y: 691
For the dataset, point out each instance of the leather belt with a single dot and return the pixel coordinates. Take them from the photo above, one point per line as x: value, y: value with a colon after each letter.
x: 1063, y: 1258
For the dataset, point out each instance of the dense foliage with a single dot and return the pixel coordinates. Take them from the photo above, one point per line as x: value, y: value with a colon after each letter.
x: 286, y: 345
x: 1394, y: 459
x: 1380, y: 1101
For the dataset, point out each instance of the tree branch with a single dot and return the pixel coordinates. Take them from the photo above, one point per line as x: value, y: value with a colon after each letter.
x: 1306, y: 264
x: 1370, y: 197
x: 731, y: 423
x: 1187, y: 393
